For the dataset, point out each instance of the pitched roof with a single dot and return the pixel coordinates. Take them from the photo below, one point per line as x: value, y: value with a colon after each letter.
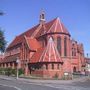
x: 57, y: 26
x: 10, y: 58
x: 20, y: 38
x: 35, y: 58
x: 1, y: 58
x: 49, y: 54
x: 54, y: 26
x: 32, y: 43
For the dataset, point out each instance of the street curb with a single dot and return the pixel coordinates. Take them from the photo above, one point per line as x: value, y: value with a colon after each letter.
x: 45, y: 81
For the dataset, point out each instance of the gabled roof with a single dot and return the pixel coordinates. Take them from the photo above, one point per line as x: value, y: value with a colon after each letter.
x: 35, y: 58
x: 20, y: 38
x: 49, y: 54
x: 54, y: 26
x: 57, y: 26
x: 32, y: 43
x: 1, y: 58
x: 10, y: 58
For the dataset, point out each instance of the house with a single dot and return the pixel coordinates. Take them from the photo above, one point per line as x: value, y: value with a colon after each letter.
x: 87, y: 66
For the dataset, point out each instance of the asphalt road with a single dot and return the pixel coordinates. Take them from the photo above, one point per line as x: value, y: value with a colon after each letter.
x: 6, y: 88
x: 22, y: 85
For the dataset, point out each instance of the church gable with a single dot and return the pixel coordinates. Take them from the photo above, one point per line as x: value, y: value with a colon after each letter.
x: 49, y: 54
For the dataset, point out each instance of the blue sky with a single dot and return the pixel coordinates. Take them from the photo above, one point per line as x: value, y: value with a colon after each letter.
x: 21, y: 15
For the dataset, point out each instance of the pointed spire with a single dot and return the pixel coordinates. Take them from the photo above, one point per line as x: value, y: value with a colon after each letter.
x: 42, y: 17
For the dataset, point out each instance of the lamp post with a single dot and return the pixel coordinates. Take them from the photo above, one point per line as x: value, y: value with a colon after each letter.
x: 17, y: 61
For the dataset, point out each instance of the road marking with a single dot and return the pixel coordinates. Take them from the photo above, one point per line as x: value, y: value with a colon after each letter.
x: 10, y: 86
x: 40, y: 84
x: 45, y: 85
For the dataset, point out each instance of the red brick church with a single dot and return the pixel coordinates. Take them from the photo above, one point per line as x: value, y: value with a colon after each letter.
x: 45, y: 50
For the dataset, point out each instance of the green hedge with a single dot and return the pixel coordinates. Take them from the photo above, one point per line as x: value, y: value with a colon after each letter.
x: 10, y: 71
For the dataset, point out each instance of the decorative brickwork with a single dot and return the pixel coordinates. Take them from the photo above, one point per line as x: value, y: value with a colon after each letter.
x: 45, y: 50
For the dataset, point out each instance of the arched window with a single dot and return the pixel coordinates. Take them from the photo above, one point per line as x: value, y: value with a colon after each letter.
x: 58, y: 66
x: 59, y: 44
x: 73, y: 50
x: 65, y: 46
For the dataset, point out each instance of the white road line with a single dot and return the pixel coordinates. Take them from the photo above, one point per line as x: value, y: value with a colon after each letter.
x: 45, y: 85
x: 11, y: 86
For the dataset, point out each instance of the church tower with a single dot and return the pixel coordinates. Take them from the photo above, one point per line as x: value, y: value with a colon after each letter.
x: 42, y: 17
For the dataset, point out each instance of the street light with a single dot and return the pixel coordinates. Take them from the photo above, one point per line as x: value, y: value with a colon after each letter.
x: 17, y: 61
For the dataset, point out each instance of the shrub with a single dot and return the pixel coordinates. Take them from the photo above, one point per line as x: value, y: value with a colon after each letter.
x: 10, y: 71
x: 13, y: 72
x: 2, y: 71
x: 21, y: 71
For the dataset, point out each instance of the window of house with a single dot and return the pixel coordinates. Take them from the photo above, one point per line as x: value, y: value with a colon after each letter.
x: 52, y: 66
x: 59, y: 44
x: 58, y: 66
x: 65, y: 46
x: 74, y: 52
x: 46, y: 66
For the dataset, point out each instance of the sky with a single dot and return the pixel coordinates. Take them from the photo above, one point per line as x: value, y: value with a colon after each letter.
x: 21, y: 15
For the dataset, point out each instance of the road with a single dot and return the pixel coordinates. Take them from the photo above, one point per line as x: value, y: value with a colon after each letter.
x: 4, y: 87
x: 22, y: 85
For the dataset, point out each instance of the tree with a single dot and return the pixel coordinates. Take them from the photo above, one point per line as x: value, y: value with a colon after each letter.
x: 2, y: 38
x: 2, y: 41
x: 1, y: 13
